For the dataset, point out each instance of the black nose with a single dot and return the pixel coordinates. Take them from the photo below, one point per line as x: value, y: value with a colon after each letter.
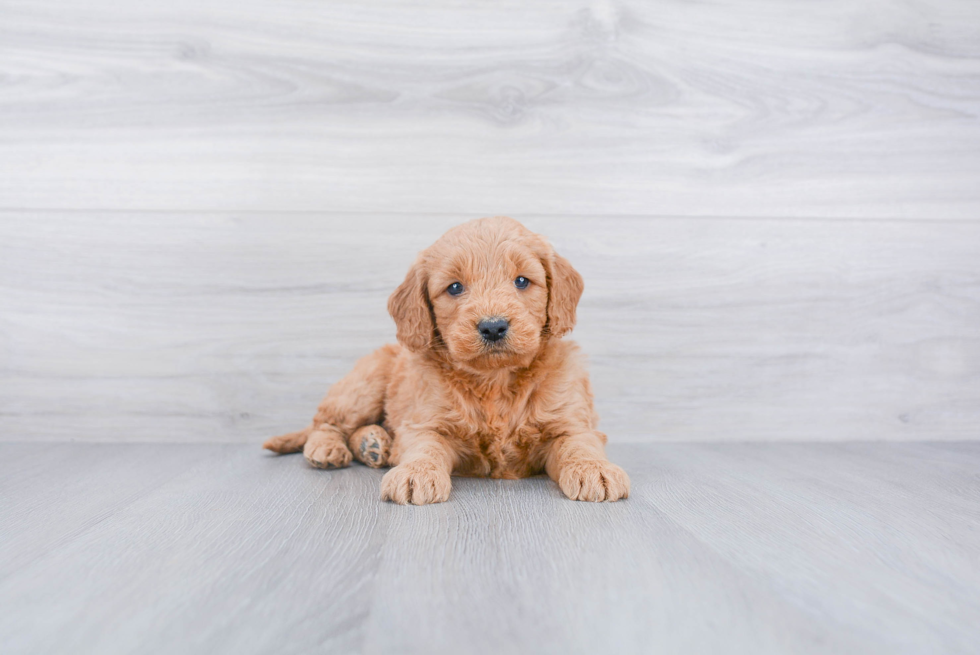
x: 493, y: 329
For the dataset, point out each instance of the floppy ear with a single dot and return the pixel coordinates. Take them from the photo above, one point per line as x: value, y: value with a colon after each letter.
x: 564, y: 290
x: 409, y: 306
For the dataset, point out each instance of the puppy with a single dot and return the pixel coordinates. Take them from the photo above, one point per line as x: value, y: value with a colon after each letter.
x: 480, y: 383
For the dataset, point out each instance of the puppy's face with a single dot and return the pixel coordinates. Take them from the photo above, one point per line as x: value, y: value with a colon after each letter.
x: 489, y: 295
x: 489, y: 292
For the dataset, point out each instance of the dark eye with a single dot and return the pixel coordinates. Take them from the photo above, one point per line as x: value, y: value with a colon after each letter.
x: 455, y: 289
x: 521, y: 282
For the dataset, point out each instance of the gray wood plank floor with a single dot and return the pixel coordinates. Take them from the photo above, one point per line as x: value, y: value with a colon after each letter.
x: 747, y: 548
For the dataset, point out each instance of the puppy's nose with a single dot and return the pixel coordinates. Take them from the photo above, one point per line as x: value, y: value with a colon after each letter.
x: 493, y: 329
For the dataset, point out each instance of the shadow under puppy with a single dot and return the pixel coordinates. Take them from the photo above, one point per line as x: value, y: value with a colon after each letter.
x: 480, y: 383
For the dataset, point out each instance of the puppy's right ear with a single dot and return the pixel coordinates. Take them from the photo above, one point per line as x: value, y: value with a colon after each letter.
x: 409, y: 306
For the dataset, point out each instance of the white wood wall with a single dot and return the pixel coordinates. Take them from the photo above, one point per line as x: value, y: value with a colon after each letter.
x: 775, y: 205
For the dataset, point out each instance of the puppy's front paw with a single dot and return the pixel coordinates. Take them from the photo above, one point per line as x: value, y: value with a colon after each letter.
x: 594, y: 480
x: 326, y: 450
x: 418, y: 483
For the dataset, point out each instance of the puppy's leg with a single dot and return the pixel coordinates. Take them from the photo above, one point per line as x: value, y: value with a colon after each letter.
x: 425, y: 462
x: 370, y: 445
x: 577, y: 462
x: 355, y: 400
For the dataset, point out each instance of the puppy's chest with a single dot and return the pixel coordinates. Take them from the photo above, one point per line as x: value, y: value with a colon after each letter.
x: 502, y: 439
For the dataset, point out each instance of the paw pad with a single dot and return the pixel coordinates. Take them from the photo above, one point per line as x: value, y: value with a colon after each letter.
x: 371, y: 444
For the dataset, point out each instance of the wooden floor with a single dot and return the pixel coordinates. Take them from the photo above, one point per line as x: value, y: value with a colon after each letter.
x: 734, y: 548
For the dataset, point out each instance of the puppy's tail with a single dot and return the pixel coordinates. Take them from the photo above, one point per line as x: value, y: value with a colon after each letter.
x: 288, y: 443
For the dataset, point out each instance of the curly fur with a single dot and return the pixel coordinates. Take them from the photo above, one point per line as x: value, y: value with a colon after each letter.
x: 445, y: 402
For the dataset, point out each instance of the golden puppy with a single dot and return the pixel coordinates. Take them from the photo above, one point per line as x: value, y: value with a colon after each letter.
x: 480, y: 383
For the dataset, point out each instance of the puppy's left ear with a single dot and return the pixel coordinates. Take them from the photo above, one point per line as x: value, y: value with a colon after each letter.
x: 565, y: 287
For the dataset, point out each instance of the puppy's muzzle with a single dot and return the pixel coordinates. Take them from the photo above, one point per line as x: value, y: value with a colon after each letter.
x: 493, y: 329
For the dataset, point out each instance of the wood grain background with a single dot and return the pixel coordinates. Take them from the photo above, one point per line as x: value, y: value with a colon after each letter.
x: 204, y: 205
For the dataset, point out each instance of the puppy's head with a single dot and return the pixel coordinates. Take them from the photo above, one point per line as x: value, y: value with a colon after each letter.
x: 488, y: 292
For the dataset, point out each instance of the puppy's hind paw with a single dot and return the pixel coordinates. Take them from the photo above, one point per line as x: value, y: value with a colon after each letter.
x: 370, y: 445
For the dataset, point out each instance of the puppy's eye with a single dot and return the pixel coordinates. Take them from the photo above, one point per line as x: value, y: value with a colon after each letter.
x: 455, y: 289
x: 521, y: 282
